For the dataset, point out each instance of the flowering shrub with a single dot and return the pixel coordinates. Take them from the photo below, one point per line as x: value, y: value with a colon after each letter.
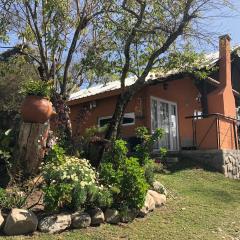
x: 72, y: 183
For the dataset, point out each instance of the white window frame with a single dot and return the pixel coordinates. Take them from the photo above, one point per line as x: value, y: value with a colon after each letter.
x: 130, y: 114
x: 177, y: 123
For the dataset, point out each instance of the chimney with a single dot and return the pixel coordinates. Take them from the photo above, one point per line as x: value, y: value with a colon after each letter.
x: 225, y: 61
x: 222, y: 100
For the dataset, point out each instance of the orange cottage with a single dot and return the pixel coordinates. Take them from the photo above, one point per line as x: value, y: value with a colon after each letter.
x: 195, y: 114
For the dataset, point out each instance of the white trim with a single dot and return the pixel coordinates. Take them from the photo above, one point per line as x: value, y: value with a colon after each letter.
x: 163, y: 100
x: 133, y: 116
x: 177, y: 123
x: 125, y: 114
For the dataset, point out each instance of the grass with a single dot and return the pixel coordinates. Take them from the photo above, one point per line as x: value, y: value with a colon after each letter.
x: 202, y: 205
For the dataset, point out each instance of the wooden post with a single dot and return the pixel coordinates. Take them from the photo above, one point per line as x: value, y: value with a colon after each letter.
x: 32, y: 144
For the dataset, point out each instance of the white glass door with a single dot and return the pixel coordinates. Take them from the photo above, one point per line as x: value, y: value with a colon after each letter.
x: 164, y: 116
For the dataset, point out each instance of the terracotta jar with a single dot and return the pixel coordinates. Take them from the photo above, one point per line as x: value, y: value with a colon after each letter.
x: 36, y: 109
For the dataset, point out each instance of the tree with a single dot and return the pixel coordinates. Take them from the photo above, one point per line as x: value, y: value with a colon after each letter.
x: 124, y: 37
x: 154, y: 35
x: 15, y: 69
x: 56, y: 31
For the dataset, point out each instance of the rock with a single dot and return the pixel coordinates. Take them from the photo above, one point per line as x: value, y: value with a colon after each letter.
x: 149, y: 205
x: 160, y: 199
x: 55, y: 223
x: 112, y: 216
x: 19, y: 222
x: 97, y: 216
x: 128, y: 215
x: 1, y: 220
x: 81, y: 220
x: 158, y: 187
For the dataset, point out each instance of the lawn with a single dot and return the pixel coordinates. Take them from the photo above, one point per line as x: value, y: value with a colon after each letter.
x: 201, y: 205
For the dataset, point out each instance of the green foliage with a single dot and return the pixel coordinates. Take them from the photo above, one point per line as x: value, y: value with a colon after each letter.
x: 133, y: 184
x: 144, y: 149
x: 4, y: 155
x: 6, y: 139
x: 158, y: 167
x: 83, y: 146
x: 36, y: 88
x: 9, y: 200
x: 124, y: 176
x: 94, y: 131
x: 55, y: 155
x: 6, y: 146
x: 118, y: 153
x: 8, y: 143
x: 13, y: 73
x: 71, y: 183
x: 149, y: 171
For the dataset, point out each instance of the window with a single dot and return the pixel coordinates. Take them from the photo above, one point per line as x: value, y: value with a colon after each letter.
x: 128, y: 119
x: 198, y: 114
x: 102, y: 121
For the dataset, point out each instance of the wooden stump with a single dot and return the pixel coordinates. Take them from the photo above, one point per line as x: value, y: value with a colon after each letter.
x: 32, y: 144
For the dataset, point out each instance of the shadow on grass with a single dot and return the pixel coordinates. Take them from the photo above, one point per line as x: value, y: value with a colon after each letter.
x: 184, y: 164
x: 216, y: 196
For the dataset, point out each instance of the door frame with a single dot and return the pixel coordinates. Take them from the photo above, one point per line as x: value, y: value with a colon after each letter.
x: 168, y: 102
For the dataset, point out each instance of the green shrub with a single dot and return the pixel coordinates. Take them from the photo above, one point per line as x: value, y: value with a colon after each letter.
x: 158, y: 168
x: 109, y: 175
x: 10, y: 200
x: 36, y: 88
x: 55, y: 155
x: 124, y: 176
x: 72, y: 183
x: 144, y: 149
x: 117, y: 153
x: 149, y: 171
x: 133, y: 185
x: 7, y: 144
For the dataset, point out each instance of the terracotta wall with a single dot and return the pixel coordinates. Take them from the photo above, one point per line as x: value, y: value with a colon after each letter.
x: 213, y: 135
x: 222, y: 100
x: 206, y: 133
x: 105, y: 107
x: 226, y: 132
x: 183, y: 92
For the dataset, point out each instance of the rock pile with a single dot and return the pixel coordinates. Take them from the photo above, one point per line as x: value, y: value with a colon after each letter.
x: 21, y: 221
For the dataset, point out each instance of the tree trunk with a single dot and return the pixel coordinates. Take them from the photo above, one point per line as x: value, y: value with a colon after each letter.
x: 32, y: 145
x: 113, y: 130
x: 122, y: 102
x: 61, y: 122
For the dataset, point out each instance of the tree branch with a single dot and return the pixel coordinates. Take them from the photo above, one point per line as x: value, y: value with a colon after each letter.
x: 128, y: 44
x: 36, y: 31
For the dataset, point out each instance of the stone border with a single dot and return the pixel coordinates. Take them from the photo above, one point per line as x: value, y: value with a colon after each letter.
x: 23, y: 222
x: 224, y: 161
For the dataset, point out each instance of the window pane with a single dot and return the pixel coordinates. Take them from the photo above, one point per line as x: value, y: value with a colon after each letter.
x: 104, y: 121
x: 154, y: 115
x: 129, y: 118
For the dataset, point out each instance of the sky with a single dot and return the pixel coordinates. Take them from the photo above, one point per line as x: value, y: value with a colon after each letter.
x: 229, y: 24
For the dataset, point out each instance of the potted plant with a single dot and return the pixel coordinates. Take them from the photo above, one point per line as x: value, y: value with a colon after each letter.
x: 36, y: 107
